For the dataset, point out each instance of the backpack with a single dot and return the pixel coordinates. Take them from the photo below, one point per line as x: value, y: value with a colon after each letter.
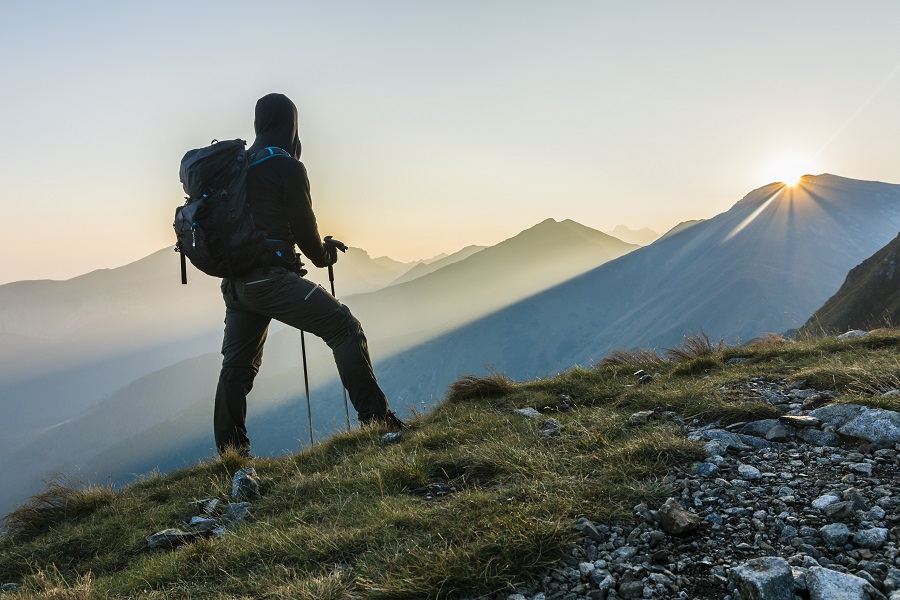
x: 214, y: 228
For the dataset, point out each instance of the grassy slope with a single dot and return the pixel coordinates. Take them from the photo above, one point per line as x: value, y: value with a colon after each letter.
x: 344, y: 521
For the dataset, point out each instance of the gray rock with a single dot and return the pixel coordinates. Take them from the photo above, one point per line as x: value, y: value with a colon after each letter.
x: 202, y: 525
x: 835, y: 534
x: 825, y: 500
x: 871, y: 538
x: 715, y: 448
x: 550, y: 427
x: 731, y: 440
x: 644, y: 416
x: 245, y: 485
x: 755, y: 442
x: 839, y: 510
x: 528, y: 412
x: 676, y: 520
x: 780, y: 433
x: 758, y: 428
x: 837, y: 414
x: 236, y: 513
x: 853, y: 333
x: 8, y: 587
x: 394, y: 437
x: 825, y: 584
x: 875, y: 425
x: 169, y: 538
x: 768, y: 578
x: 817, y: 437
x: 891, y: 393
x: 892, y: 581
x: 706, y: 469
x: 749, y: 472
x: 631, y: 589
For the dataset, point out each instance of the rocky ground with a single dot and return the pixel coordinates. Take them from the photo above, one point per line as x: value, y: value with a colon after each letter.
x: 804, y: 506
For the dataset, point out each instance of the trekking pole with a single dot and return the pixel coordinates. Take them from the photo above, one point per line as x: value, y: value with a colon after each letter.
x: 306, y: 385
x: 343, y: 248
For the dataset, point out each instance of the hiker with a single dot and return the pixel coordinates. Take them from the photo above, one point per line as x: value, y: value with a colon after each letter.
x: 278, y: 194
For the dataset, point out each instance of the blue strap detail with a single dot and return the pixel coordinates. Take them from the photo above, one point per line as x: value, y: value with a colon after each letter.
x: 273, y: 152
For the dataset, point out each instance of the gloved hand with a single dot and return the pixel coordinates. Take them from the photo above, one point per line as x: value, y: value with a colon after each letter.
x: 332, y: 252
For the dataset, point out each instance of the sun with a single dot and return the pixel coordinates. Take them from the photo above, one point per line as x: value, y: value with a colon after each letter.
x: 789, y: 171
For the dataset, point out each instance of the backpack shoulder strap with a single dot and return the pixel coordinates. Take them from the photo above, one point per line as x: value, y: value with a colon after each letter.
x: 267, y: 153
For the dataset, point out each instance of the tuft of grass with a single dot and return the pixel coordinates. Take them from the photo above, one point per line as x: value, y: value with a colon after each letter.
x: 638, y: 359
x: 50, y: 584
x: 768, y: 341
x: 63, y: 500
x: 470, y: 387
x: 695, y: 345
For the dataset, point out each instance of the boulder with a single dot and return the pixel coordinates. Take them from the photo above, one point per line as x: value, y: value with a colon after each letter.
x: 768, y: 578
x: 877, y: 426
x: 825, y: 584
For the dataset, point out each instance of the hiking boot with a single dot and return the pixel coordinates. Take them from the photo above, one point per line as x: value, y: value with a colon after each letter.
x: 389, y: 419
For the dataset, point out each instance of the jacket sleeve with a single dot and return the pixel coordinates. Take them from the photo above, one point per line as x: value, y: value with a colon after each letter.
x: 300, y: 216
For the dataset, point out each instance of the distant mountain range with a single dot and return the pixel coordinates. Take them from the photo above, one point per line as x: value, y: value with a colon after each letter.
x: 869, y: 298
x: 642, y: 237
x: 763, y: 266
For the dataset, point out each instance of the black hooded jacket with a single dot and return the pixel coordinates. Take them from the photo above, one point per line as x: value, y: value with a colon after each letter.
x: 278, y: 188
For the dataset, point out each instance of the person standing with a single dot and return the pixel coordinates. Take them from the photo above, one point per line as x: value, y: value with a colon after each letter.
x: 279, y: 198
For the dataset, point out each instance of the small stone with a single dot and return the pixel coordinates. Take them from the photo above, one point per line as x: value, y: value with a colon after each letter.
x: 202, y: 525
x: 853, y: 333
x: 676, y: 520
x: 394, y: 437
x: 644, y: 416
x: 528, y: 412
x: 245, y: 485
x: 835, y: 534
x: 550, y: 427
x: 169, y: 538
x: 715, y: 448
x: 864, y: 468
x: 825, y: 500
x: 872, y: 539
x: 706, y: 469
x: 236, y: 513
x: 8, y: 587
x: 749, y: 472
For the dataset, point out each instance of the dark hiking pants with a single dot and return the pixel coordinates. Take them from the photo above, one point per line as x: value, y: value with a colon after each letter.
x: 285, y: 296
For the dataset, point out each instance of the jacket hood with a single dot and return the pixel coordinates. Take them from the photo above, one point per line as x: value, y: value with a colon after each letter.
x: 276, y: 124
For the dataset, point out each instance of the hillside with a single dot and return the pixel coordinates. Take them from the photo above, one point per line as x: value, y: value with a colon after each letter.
x: 597, y: 484
x: 868, y: 298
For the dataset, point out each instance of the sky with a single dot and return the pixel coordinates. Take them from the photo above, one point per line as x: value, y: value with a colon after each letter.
x: 429, y: 126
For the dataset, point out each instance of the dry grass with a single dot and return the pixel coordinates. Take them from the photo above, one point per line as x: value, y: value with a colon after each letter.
x: 472, y: 387
x: 695, y: 345
x: 768, y: 341
x: 63, y: 500
x: 627, y: 358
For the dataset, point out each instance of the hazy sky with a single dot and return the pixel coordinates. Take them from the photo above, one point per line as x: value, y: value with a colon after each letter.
x: 429, y: 126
